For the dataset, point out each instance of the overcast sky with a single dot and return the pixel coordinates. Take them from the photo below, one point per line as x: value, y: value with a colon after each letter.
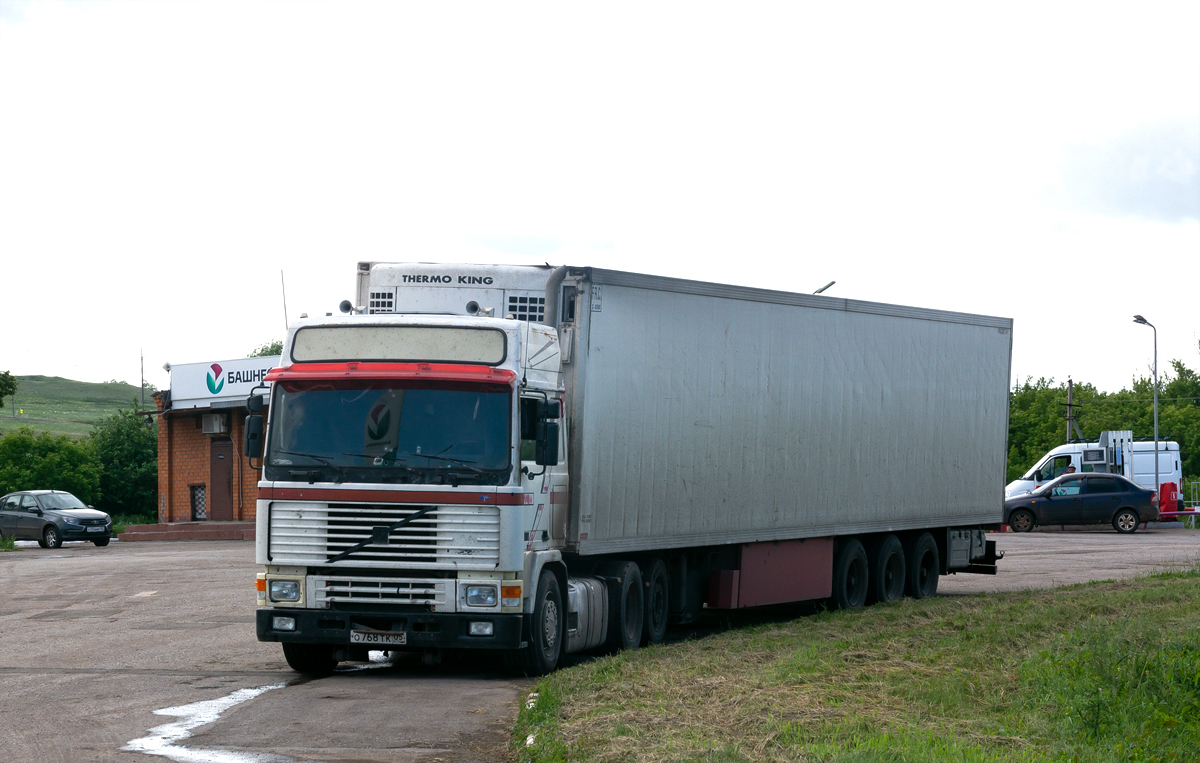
x: 162, y: 162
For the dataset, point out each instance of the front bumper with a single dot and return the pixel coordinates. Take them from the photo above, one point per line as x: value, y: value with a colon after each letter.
x: 72, y: 532
x: 426, y: 630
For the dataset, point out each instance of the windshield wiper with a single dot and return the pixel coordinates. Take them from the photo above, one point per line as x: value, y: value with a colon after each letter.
x: 311, y: 473
x: 380, y: 535
x: 439, y: 457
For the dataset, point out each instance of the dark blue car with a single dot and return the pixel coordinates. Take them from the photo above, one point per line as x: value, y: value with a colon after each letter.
x: 1083, y: 499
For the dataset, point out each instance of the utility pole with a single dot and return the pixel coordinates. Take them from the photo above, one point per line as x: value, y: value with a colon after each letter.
x: 142, y: 357
x: 1071, y: 411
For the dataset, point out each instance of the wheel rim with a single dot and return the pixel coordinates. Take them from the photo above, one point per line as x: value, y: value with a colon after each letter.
x: 550, y: 626
x: 658, y: 605
x: 51, y: 537
x: 1126, y: 521
x: 1022, y: 522
x: 892, y: 575
x: 926, y: 569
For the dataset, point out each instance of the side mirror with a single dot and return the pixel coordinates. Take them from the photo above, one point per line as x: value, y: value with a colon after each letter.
x: 551, y: 409
x: 1038, y: 475
x: 252, y: 445
x: 254, y: 404
x: 546, y: 451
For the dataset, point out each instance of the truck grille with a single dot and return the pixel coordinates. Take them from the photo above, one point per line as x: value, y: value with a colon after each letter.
x: 448, y: 537
x: 372, y: 590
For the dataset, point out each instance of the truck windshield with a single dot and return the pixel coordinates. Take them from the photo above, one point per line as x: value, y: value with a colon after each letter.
x: 391, y: 432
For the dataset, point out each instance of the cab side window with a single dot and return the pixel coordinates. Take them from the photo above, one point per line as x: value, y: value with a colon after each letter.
x: 1055, y: 467
x: 528, y: 423
x: 28, y: 503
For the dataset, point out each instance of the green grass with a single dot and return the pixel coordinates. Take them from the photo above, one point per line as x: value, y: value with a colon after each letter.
x: 1099, y: 672
x: 62, y: 406
x: 7, y: 544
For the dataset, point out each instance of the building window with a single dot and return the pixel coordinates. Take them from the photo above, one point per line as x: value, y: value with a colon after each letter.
x: 199, y: 505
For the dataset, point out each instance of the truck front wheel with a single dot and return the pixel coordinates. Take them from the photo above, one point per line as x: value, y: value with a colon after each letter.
x: 540, y: 655
x: 624, y: 606
x: 850, y: 575
x: 310, y: 659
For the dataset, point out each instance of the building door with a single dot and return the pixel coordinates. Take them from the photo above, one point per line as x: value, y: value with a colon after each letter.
x: 220, y: 492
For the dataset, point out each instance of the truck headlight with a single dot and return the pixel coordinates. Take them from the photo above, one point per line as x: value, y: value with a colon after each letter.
x: 285, y: 590
x: 481, y: 596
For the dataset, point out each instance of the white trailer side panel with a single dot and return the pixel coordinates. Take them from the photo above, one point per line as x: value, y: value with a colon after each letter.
x: 706, y: 419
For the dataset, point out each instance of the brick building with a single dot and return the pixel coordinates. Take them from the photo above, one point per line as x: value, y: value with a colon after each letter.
x: 202, y: 472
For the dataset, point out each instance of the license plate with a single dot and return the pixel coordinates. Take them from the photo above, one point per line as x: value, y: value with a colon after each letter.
x: 95, y: 529
x: 377, y: 637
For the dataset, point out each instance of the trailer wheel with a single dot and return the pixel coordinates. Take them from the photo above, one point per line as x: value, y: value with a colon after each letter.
x: 924, y: 564
x: 624, y: 606
x: 850, y: 575
x: 310, y: 659
x: 1126, y: 521
x: 657, y: 600
x: 546, y: 629
x: 887, y: 571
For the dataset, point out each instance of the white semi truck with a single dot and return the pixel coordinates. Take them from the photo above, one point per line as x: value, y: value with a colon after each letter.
x: 444, y: 470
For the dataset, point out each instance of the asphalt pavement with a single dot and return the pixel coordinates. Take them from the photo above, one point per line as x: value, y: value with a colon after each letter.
x: 108, y: 654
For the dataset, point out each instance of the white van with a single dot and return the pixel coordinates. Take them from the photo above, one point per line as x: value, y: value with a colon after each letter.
x: 1116, y: 452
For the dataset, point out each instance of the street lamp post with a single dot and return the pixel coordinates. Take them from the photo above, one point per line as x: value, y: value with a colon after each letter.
x: 1144, y: 322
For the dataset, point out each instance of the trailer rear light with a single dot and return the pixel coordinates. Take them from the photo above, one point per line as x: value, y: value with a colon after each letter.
x: 480, y: 629
x: 510, y: 595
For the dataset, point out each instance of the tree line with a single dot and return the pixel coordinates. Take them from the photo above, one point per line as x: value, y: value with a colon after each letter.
x: 114, y: 468
x: 1037, y: 416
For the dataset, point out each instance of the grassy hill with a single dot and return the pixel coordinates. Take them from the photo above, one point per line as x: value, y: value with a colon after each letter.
x: 62, y: 406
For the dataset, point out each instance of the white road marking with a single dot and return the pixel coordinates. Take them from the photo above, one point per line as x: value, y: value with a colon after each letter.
x: 162, y: 740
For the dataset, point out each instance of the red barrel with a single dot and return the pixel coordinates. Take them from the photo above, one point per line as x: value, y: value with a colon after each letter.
x: 1168, y: 497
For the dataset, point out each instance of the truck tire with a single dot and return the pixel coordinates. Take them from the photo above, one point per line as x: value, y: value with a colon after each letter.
x: 924, y: 564
x: 850, y: 575
x: 624, y: 606
x: 657, y: 602
x: 310, y: 659
x: 887, y: 571
x: 546, y: 629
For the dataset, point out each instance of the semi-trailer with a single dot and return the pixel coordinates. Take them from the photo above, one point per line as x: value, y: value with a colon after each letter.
x: 444, y: 471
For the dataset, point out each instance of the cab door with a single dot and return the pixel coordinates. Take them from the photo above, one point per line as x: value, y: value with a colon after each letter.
x: 535, y: 479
